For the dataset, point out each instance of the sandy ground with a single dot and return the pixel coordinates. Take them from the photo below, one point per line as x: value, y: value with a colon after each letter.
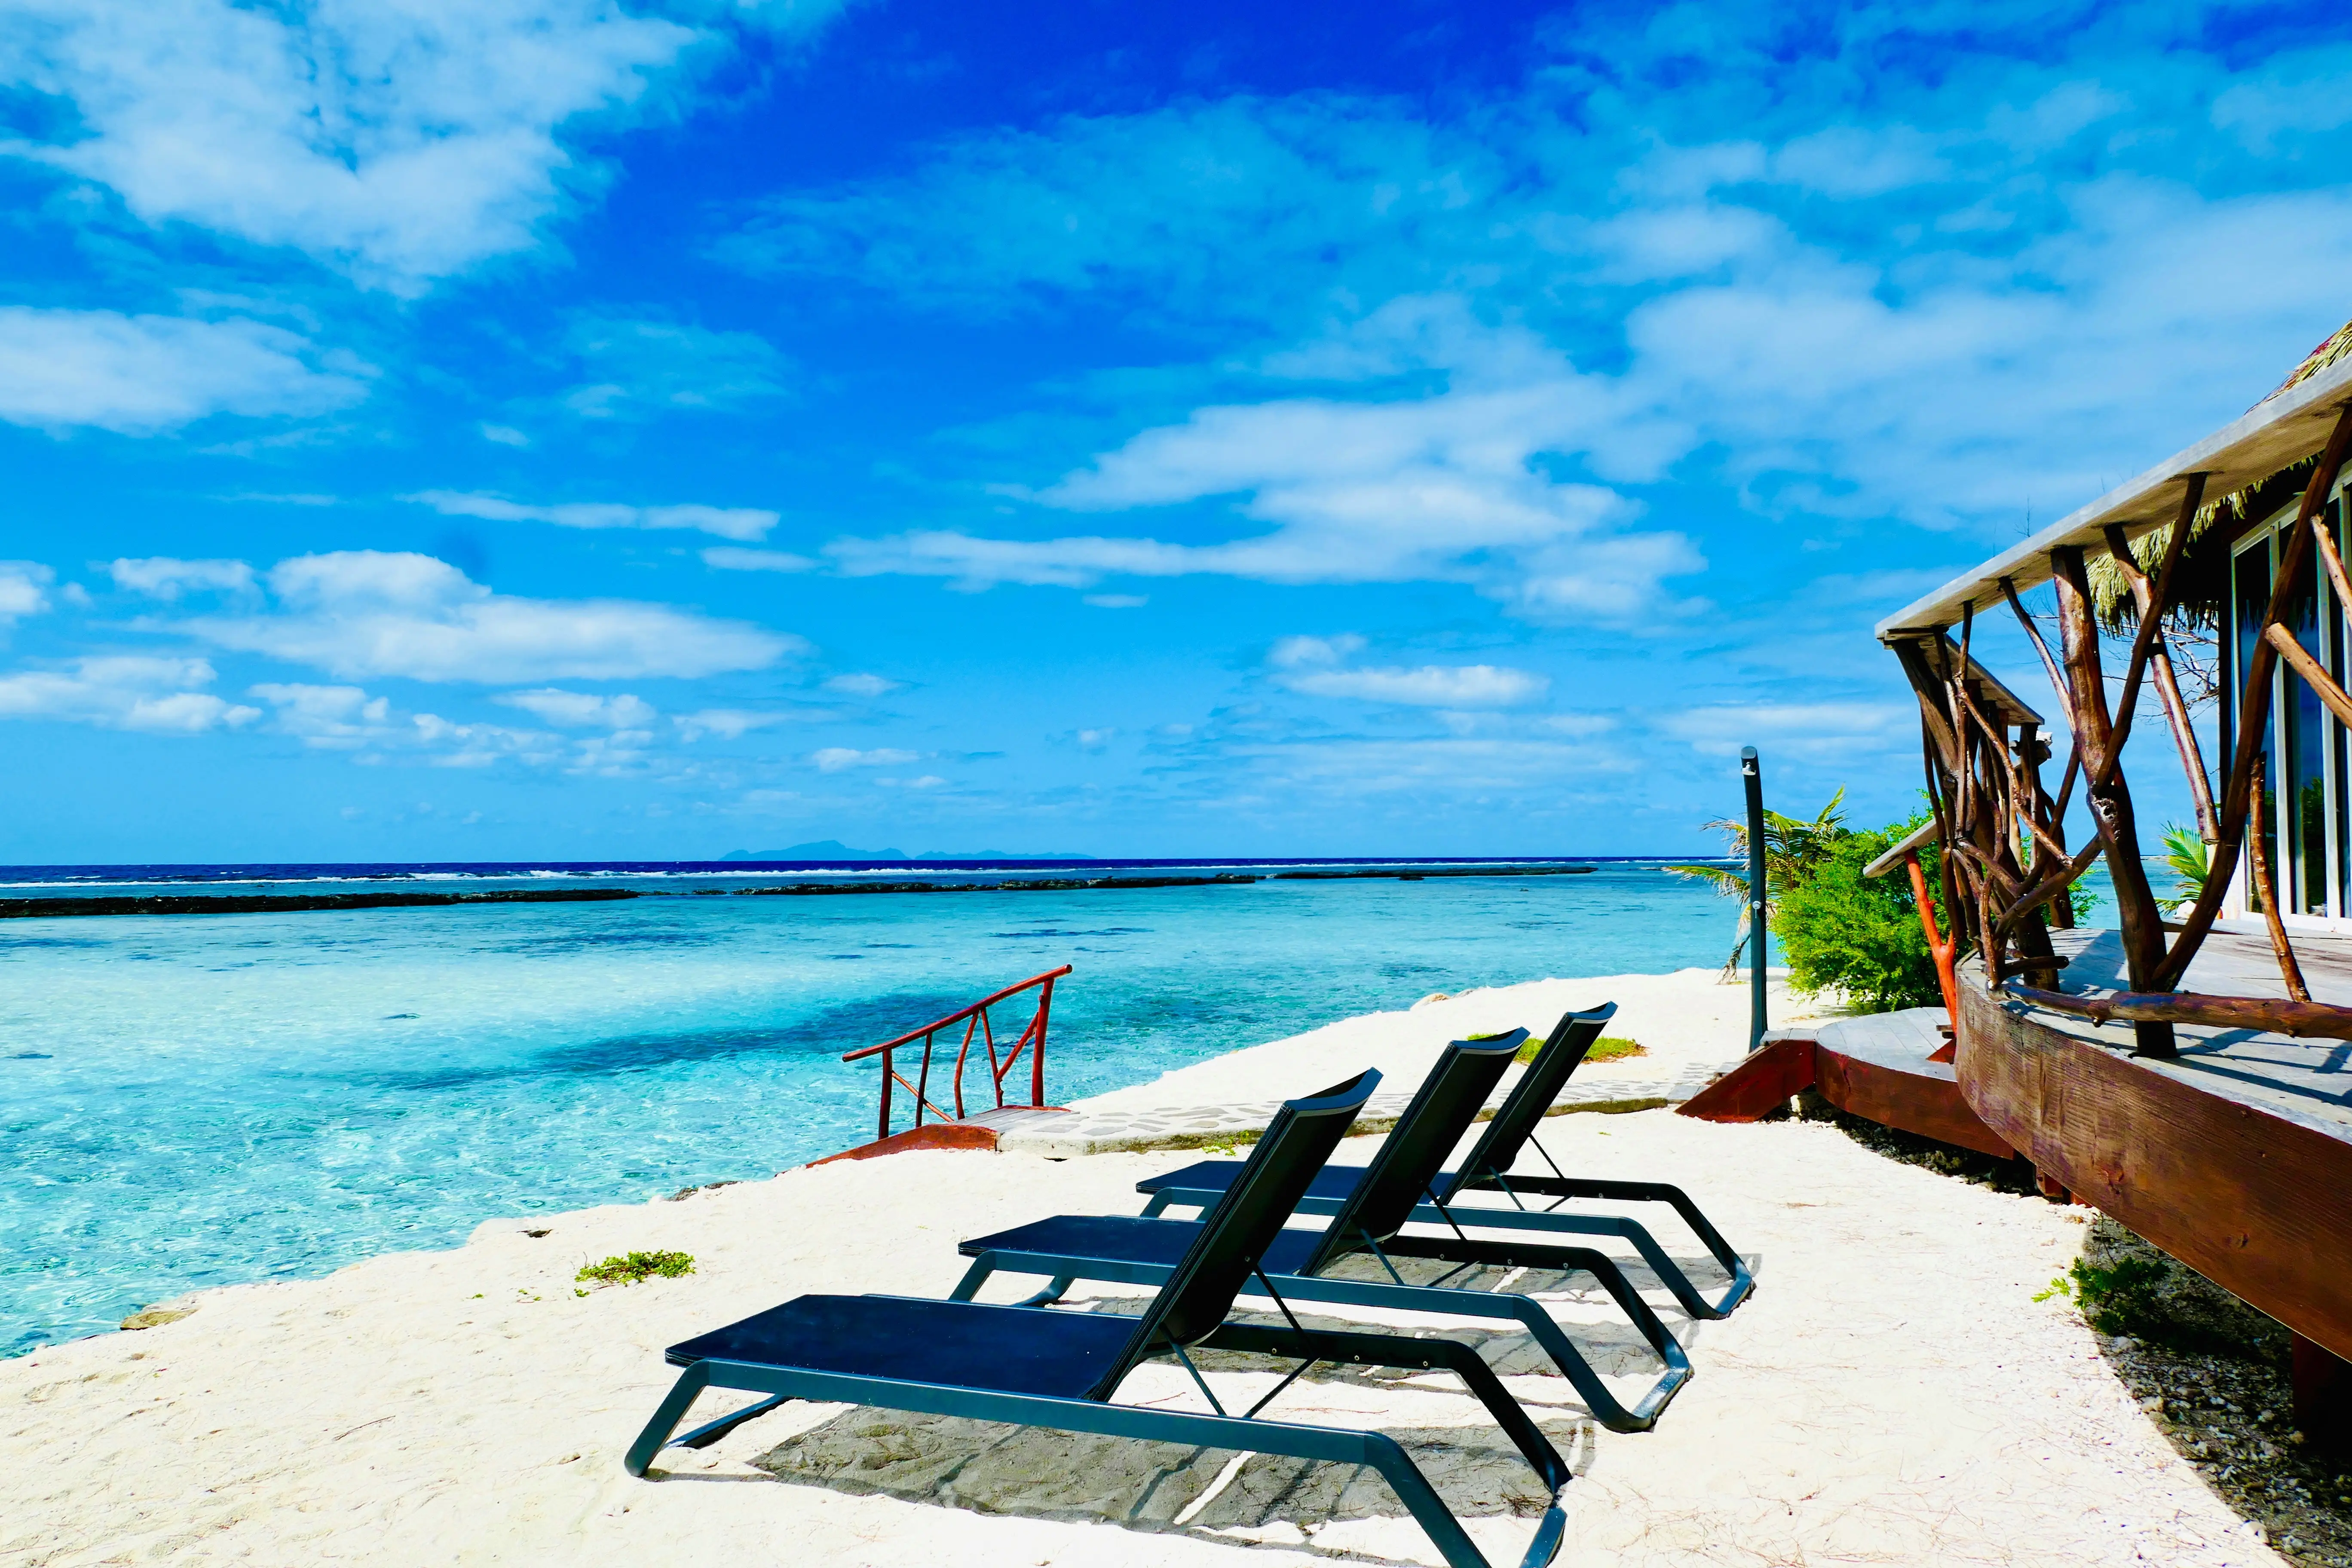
x: 1681, y: 1019
x: 1892, y: 1393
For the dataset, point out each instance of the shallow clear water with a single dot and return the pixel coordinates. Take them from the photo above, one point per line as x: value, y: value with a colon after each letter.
x: 189, y: 1101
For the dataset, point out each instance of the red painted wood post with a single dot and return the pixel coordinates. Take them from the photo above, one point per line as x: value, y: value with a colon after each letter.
x: 1038, y: 1048
x: 1936, y: 943
x: 886, y: 1094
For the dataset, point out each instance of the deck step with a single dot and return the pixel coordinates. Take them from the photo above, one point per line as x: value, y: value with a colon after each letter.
x: 1882, y: 1067
x: 977, y: 1130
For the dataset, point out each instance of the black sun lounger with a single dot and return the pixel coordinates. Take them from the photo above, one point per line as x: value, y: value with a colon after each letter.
x: 1145, y: 1250
x: 1033, y: 1366
x: 1488, y: 1169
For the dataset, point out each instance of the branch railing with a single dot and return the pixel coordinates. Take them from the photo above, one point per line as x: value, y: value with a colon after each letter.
x: 2004, y: 862
x: 977, y: 1025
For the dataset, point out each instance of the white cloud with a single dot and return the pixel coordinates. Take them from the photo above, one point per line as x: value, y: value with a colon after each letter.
x: 159, y: 696
x: 727, y: 522
x: 978, y: 563
x: 137, y: 374
x: 730, y: 723
x: 368, y: 613
x: 504, y: 434
x: 330, y: 718
x: 833, y: 759
x: 642, y: 367
x: 460, y: 745
x: 2297, y: 94
x: 1446, y: 488
x: 1450, y: 766
x: 869, y: 685
x: 166, y: 578
x: 1117, y: 601
x: 582, y: 710
x: 21, y: 586
x: 1317, y: 668
x: 400, y: 143
x: 733, y: 558
x: 1805, y: 728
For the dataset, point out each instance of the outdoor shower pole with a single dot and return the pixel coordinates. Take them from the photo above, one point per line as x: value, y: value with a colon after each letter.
x: 1753, y: 775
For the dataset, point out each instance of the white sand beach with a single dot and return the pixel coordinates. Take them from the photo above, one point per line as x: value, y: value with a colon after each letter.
x: 1892, y: 1393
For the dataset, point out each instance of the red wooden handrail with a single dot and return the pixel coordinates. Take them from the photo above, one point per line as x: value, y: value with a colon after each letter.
x: 1032, y: 1039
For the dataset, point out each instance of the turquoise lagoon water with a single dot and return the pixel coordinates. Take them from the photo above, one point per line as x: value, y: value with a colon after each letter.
x: 189, y: 1101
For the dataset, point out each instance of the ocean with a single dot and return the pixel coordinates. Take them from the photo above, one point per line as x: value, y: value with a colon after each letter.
x: 198, y: 1100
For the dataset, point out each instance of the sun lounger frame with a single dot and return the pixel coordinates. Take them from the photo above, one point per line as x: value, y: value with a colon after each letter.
x: 1368, y: 1222
x: 1188, y: 1311
x: 1488, y: 1170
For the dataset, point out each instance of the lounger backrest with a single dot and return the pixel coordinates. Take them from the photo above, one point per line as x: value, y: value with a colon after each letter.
x: 1563, y: 1051
x: 1398, y: 1176
x: 1235, y: 1234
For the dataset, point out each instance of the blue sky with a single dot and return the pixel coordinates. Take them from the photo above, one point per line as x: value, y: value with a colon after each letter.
x: 471, y: 430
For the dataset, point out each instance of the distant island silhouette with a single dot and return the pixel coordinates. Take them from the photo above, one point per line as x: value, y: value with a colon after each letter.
x: 835, y: 849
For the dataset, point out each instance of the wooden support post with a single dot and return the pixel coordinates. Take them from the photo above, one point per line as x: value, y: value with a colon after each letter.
x: 2289, y: 970
x: 2323, y: 1395
x: 2110, y: 804
x: 2298, y: 659
x: 1939, y: 946
x: 2152, y: 606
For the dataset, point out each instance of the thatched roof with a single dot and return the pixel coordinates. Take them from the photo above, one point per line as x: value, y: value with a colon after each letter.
x: 2254, y: 465
x: 2202, y: 580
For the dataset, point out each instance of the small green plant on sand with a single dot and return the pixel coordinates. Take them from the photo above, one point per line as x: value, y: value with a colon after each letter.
x: 628, y: 1269
x: 1607, y: 1048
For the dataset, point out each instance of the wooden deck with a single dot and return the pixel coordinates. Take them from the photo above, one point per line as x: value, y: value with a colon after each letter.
x: 2235, y: 1156
x: 1881, y: 1066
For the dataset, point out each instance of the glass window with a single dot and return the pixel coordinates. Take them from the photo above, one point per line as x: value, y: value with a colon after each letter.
x: 2305, y: 878
x: 2340, y: 753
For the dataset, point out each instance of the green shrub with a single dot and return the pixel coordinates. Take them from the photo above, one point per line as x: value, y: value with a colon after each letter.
x: 1860, y: 934
x: 628, y: 1269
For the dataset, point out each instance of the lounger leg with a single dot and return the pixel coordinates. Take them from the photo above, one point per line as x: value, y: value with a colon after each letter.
x: 1429, y: 1510
x: 1383, y: 1453
x: 1409, y: 1354
x: 1743, y: 1283
x: 666, y: 1416
x: 1319, y: 1443
x: 1583, y: 1260
x: 1529, y: 1314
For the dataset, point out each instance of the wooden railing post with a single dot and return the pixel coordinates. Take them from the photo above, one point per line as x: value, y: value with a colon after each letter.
x: 2100, y: 738
x: 1037, y: 1048
x: 977, y: 1024
x: 1938, y: 945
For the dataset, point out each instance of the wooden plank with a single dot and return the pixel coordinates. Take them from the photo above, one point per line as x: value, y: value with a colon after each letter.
x: 936, y: 1135
x: 2257, y: 1203
x: 1758, y: 1085
x: 1930, y: 1106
